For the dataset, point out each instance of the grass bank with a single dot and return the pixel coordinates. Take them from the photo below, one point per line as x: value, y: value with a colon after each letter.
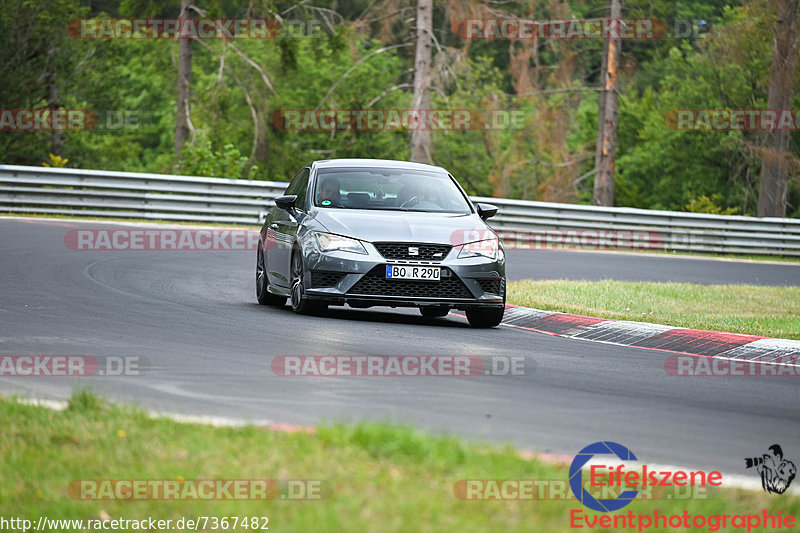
x: 755, y: 310
x: 379, y: 477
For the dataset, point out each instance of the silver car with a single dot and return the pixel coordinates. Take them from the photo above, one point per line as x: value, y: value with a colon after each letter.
x: 370, y: 232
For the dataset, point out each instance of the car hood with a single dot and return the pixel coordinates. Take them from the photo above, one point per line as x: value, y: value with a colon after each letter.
x: 404, y: 226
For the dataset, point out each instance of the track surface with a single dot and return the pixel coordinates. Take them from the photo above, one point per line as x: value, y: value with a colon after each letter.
x: 193, y: 315
x: 598, y: 265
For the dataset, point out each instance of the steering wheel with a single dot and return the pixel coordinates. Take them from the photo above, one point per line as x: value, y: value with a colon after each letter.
x: 414, y: 200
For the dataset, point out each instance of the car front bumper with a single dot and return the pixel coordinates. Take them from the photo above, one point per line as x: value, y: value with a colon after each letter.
x: 339, y: 278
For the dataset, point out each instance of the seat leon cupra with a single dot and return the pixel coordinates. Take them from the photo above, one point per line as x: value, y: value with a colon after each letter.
x: 369, y: 232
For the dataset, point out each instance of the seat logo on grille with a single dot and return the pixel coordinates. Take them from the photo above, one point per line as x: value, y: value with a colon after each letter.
x: 413, y: 250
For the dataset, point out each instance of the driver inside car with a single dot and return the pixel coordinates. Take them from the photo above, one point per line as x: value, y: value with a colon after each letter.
x: 329, y: 193
x: 410, y: 194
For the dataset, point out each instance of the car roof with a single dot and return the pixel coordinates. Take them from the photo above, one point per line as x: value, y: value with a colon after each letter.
x: 374, y: 163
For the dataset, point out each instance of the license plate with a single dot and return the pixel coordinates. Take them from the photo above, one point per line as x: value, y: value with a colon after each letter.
x: 413, y: 272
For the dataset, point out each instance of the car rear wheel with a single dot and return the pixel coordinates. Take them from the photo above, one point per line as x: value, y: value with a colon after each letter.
x: 434, y: 311
x: 300, y: 302
x: 264, y: 296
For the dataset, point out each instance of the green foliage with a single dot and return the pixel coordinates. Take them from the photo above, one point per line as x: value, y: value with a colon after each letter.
x: 200, y: 159
x: 661, y: 168
x: 84, y: 400
x: 549, y: 158
x: 704, y: 204
x: 56, y: 161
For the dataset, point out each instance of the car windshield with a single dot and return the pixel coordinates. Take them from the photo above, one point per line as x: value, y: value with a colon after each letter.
x: 389, y: 190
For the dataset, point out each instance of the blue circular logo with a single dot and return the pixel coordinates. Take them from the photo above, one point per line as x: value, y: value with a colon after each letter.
x: 576, y: 476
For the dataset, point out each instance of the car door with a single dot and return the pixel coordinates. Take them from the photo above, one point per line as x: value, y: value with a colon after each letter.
x: 283, y: 228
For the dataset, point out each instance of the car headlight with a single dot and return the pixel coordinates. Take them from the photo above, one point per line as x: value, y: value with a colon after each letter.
x: 328, y: 242
x: 489, y: 248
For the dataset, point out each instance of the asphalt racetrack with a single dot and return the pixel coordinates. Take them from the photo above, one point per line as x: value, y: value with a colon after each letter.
x: 193, y: 316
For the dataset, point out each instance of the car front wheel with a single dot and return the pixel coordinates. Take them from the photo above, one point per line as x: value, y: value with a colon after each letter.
x: 300, y: 302
x: 487, y: 317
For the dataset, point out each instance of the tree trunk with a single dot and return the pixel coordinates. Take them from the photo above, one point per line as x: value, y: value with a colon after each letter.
x: 53, y: 102
x: 421, y: 136
x: 775, y: 151
x: 601, y: 104
x: 184, y: 85
x: 608, y: 111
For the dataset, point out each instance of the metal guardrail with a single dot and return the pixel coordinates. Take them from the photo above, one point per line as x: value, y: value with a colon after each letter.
x: 545, y: 224
x: 95, y: 193
x: 98, y: 193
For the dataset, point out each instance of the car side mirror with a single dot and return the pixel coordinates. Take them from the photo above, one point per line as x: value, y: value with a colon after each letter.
x: 286, y: 202
x: 486, y: 210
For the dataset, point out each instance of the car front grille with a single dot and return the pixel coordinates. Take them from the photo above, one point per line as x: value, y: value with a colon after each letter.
x: 425, y: 251
x: 321, y: 278
x: 374, y: 283
x: 491, y: 286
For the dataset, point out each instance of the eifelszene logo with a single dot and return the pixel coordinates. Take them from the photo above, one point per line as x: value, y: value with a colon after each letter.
x: 776, y: 472
x: 576, y: 476
x: 617, y: 472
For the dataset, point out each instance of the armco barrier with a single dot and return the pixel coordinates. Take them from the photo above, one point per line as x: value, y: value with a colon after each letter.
x: 97, y: 193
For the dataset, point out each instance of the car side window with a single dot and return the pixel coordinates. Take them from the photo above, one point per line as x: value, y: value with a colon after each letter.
x: 299, y: 186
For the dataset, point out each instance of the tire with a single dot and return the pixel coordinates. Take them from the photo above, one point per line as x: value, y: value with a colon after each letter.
x: 434, y: 311
x: 487, y: 317
x: 300, y: 303
x: 262, y: 294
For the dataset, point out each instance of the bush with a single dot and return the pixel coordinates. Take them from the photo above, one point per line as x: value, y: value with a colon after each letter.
x: 200, y: 159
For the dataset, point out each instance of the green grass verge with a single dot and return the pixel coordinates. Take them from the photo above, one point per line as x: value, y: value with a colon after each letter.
x: 382, y: 477
x: 767, y: 311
